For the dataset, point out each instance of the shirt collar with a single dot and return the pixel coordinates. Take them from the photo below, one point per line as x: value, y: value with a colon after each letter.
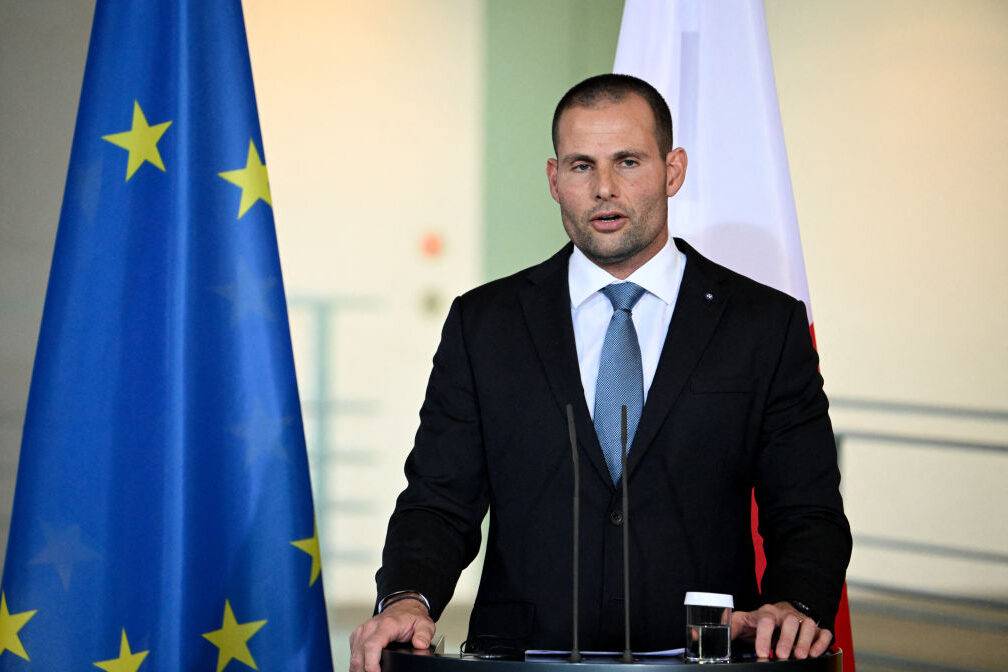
x: 658, y: 276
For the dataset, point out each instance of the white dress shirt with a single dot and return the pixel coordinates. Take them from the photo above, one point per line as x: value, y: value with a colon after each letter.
x: 591, y: 310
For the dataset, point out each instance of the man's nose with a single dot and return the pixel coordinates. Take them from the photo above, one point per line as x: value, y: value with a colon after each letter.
x: 605, y: 187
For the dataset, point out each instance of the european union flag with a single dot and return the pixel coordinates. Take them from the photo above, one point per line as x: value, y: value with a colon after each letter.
x: 163, y: 515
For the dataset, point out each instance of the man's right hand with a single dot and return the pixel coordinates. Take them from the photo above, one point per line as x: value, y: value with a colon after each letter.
x: 402, y: 621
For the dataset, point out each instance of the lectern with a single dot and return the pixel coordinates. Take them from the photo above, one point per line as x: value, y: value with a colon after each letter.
x: 410, y: 660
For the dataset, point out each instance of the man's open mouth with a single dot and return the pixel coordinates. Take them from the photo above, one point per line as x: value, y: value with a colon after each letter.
x: 608, y: 221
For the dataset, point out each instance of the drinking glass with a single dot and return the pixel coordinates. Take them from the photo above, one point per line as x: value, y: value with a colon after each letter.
x: 708, y: 627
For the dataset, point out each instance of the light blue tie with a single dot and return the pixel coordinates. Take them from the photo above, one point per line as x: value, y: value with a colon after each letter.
x: 620, y: 376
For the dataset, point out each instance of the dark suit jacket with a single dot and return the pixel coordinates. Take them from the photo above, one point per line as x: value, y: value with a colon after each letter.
x: 736, y: 403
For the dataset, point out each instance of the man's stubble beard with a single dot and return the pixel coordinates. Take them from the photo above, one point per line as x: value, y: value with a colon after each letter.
x: 632, y: 238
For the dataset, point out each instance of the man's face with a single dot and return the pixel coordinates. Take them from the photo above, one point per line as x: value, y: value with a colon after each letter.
x: 612, y: 182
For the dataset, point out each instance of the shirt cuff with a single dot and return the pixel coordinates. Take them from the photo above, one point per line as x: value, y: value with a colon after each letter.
x: 398, y: 595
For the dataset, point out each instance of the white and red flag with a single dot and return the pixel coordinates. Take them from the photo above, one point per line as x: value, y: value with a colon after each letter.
x: 711, y: 61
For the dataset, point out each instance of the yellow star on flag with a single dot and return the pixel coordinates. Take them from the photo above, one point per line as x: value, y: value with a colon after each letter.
x: 252, y: 179
x: 232, y: 639
x: 311, y: 547
x: 140, y: 141
x: 127, y: 660
x: 10, y: 624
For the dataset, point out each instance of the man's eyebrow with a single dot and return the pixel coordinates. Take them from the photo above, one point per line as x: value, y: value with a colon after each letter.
x: 629, y: 152
x: 572, y: 158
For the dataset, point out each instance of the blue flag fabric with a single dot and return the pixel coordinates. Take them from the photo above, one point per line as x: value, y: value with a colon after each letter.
x: 163, y: 516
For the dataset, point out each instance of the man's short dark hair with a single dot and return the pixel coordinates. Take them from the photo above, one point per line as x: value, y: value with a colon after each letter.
x: 611, y: 88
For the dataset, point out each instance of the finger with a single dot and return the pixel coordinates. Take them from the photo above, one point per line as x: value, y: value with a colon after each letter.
x: 788, y: 632
x: 806, y: 635
x: 423, y: 632
x: 764, y: 633
x: 361, y: 632
x: 357, y: 639
x: 372, y: 654
x: 742, y: 624
x: 821, y: 643
x: 373, y: 645
x: 356, y: 653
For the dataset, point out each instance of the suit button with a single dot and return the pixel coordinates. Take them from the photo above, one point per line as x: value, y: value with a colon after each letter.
x: 616, y: 517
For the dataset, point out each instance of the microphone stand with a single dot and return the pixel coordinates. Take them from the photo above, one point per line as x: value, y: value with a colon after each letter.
x: 575, y: 655
x: 627, y: 656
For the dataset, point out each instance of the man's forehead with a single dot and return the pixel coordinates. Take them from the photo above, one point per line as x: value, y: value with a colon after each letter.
x: 628, y: 120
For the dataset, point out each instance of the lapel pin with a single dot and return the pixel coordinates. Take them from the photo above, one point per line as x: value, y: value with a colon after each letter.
x: 708, y: 297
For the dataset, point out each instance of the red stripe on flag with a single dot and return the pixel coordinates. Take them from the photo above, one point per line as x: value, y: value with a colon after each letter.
x: 843, y: 638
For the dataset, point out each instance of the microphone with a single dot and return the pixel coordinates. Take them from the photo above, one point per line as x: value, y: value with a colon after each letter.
x: 575, y: 655
x: 627, y: 656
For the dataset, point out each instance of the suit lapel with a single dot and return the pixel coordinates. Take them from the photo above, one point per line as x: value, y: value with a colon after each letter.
x: 701, y: 301
x: 545, y: 302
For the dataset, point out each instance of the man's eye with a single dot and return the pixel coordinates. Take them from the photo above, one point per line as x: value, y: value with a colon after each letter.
x: 629, y: 163
x: 579, y: 167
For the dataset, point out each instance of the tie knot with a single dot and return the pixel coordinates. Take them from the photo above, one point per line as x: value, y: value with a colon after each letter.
x: 623, y: 295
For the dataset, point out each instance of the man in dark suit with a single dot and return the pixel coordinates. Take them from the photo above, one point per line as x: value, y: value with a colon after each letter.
x: 723, y: 394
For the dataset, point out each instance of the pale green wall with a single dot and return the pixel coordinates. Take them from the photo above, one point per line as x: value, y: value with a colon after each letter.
x: 535, y: 51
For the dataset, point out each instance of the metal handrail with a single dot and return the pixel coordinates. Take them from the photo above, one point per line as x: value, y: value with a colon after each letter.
x: 919, y: 409
x: 321, y: 452
x: 944, y: 608
x: 916, y: 440
x: 936, y: 550
x: 967, y: 601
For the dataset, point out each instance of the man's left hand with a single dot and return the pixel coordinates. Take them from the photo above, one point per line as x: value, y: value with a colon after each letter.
x: 797, y: 631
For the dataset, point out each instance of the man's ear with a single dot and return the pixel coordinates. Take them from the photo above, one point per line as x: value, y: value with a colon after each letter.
x: 551, y: 177
x: 675, y: 170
